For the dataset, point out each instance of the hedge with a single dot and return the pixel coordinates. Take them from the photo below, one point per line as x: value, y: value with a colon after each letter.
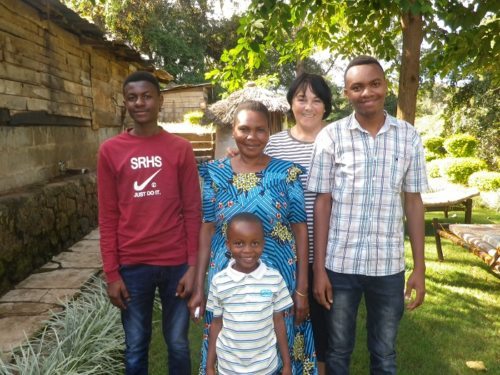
x: 485, y: 180
x: 458, y: 170
x: 461, y: 145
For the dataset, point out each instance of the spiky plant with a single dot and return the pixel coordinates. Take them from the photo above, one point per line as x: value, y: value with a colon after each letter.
x: 85, y: 338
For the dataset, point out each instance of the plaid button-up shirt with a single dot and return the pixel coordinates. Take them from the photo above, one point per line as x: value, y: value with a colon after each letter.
x: 366, y: 176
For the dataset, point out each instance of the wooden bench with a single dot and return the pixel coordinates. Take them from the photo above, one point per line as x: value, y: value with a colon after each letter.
x: 459, y: 199
x: 482, y: 240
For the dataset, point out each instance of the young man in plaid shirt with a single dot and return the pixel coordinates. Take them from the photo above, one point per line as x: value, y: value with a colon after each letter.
x: 368, y: 170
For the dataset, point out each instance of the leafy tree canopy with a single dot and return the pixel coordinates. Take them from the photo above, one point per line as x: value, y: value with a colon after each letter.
x: 461, y: 37
x: 175, y: 34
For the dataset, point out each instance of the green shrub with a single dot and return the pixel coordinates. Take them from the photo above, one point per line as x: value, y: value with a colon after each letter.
x: 459, y: 169
x: 485, y: 180
x: 434, y: 145
x: 193, y: 118
x: 429, y: 156
x: 461, y: 145
x: 437, y: 167
x: 433, y: 168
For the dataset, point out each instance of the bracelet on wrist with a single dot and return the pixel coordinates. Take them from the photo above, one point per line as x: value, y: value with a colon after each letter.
x: 301, y: 294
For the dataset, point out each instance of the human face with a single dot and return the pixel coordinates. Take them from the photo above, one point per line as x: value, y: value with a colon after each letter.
x: 245, y: 240
x: 366, y: 88
x: 251, y: 133
x: 308, y: 109
x: 143, y: 102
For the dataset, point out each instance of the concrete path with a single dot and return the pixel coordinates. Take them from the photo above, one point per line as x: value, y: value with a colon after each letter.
x: 24, y: 309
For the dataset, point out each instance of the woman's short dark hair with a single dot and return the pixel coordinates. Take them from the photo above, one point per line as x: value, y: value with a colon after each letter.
x: 141, y: 75
x: 251, y: 105
x: 318, y: 86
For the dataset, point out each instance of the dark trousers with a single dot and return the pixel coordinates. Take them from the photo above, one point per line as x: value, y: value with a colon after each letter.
x: 384, y: 299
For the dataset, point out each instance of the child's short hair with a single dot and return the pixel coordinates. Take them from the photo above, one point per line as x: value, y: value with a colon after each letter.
x: 142, y: 75
x: 245, y: 216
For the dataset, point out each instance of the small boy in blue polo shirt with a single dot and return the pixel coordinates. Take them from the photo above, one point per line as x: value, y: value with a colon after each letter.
x: 247, y: 300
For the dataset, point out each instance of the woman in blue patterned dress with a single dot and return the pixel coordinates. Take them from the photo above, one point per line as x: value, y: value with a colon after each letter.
x: 270, y: 188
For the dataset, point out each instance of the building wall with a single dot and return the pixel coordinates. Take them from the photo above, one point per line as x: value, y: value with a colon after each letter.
x: 32, y: 154
x: 59, y: 97
x: 176, y: 103
x: 42, y: 221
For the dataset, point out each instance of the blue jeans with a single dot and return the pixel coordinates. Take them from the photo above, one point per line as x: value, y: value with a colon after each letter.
x: 384, y: 299
x: 141, y: 282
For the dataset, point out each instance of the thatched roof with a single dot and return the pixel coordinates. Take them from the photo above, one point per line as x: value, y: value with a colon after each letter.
x: 221, y: 112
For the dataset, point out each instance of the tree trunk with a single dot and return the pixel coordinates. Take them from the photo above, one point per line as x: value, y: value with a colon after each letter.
x: 412, y: 25
x: 299, y: 67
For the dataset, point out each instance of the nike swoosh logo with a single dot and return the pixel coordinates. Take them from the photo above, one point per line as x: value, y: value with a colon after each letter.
x: 140, y: 187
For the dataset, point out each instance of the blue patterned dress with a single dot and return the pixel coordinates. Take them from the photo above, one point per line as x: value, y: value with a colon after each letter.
x: 275, y: 195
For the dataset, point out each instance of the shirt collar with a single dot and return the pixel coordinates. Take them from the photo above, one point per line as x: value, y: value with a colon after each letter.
x: 236, y: 276
x: 354, y: 124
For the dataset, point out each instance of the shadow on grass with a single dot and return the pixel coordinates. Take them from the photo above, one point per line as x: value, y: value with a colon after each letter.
x: 417, y: 350
x: 457, y: 322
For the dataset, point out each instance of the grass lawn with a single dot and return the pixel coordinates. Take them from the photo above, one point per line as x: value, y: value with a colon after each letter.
x: 458, y: 322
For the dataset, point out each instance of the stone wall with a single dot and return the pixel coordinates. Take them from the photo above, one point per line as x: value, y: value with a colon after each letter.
x: 41, y: 221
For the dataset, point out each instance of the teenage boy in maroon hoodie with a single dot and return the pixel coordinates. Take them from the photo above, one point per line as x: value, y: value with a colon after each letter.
x: 149, y: 219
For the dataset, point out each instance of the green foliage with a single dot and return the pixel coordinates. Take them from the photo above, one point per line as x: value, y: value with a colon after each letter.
x: 176, y: 35
x: 434, y: 148
x: 431, y: 98
x: 435, y: 144
x: 459, y: 37
x: 485, y: 180
x: 473, y: 108
x: 465, y: 41
x: 461, y: 145
x: 434, y: 168
x: 458, y: 170
x: 429, y: 156
x: 86, y: 338
x: 193, y: 117
x: 295, y: 30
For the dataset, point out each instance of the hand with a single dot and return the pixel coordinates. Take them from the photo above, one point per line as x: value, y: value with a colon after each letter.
x: 197, y: 300
x: 210, y: 371
x: 301, y: 308
x: 322, y: 289
x: 232, y: 152
x: 118, y: 294
x: 416, y: 282
x: 185, y: 286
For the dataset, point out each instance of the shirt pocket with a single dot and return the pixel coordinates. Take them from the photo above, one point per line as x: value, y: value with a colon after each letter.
x: 397, y: 170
